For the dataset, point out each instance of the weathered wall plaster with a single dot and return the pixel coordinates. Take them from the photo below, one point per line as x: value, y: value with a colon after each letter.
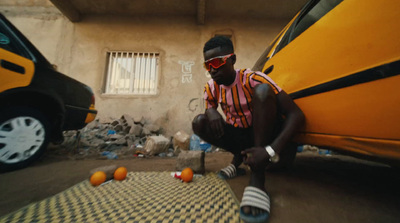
x: 79, y: 50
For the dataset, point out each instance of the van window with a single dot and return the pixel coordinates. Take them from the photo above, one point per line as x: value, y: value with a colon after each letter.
x: 9, y: 42
x: 310, y: 14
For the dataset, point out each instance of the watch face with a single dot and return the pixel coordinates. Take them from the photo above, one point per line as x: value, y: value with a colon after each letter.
x: 275, y: 158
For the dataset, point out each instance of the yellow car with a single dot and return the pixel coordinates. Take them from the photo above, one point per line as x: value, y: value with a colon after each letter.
x: 340, y: 61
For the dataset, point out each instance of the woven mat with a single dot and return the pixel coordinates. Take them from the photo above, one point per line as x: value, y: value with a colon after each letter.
x: 141, y: 197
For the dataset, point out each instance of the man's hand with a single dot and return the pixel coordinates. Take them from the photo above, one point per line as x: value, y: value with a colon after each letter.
x: 256, y: 157
x: 216, y: 122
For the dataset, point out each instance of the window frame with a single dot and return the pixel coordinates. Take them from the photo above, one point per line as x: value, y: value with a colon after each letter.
x: 142, y: 68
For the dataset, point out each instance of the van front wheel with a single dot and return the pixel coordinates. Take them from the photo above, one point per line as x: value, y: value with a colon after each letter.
x: 24, y: 136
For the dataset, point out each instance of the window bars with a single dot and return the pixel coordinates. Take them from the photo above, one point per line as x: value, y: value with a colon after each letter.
x: 130, y: 73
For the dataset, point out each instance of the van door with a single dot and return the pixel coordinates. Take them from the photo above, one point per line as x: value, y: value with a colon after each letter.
x: 16, y: 70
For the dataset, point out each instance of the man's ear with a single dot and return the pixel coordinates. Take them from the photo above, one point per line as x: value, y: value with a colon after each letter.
x: 233, y: 58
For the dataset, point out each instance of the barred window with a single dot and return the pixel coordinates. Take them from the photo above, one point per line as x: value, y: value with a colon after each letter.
x: 130, y: 73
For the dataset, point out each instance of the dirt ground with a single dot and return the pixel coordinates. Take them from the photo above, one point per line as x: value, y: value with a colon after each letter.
x: 317, y: 189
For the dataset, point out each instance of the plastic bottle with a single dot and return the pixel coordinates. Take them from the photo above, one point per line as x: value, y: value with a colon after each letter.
x: 111, y: 132
x: 109, y: 155
x: 300, y: 148
x: 324, y: 152
x: 206, y: 147
x: 195, y: 142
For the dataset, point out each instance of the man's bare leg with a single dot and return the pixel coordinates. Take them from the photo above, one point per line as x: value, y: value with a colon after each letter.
x: 264, y: 124
x: 201, y: 127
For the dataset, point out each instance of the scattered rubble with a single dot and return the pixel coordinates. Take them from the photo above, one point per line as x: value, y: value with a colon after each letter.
x: 128, y: 137
x: 122, y: 138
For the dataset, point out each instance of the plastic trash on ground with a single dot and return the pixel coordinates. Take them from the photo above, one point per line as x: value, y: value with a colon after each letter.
x: 197, y: 144
x: 109, y: 155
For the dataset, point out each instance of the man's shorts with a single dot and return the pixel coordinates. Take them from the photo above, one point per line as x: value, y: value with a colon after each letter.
x: 236, y: 140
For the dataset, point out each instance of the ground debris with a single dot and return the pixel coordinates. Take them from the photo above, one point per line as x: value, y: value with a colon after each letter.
x: 123, y: 138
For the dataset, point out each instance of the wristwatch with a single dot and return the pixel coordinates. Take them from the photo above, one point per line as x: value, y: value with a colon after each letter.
x: 273, y: 157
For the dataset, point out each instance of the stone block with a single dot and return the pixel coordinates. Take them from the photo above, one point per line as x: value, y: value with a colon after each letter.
x: 93, y: 142
x: 181, y: 141
x: 145, y: 131
x: 116, y: 122
x: 156, y: 144
x: 114, y: 137
x: 127, y: 129
x: 109, y: 170
x: 153, y: 128
x: 106, y: 120
x: 136, y: 130
x: 128, y: 119
x: 121, y: 141
x: 140, y: 121
x: 192, y: 159
x: 93, y: 125
x: 126, y: 152
x: 118, y: 127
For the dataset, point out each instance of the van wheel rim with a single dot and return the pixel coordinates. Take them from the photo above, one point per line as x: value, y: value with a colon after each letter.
x: 20, y: 139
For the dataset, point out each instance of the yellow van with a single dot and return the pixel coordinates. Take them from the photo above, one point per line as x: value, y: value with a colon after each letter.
x: 340, y: 61
x: 37, y: 103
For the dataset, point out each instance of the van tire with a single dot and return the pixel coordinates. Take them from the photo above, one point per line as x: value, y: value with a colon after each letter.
x: 24, y: 136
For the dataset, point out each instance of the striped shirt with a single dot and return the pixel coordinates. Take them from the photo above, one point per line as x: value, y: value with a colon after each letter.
x: 236, y: 99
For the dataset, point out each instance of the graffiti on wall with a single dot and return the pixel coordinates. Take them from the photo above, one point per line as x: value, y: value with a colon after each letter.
x: 193, y: 104
x: 196, y: 105
x: 186, y: 71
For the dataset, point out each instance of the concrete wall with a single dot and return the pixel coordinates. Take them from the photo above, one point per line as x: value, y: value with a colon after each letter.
x: 79, y: 50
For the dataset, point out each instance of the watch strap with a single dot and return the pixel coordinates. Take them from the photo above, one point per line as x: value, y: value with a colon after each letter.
x: 270, y: 151
x: 273, y: 156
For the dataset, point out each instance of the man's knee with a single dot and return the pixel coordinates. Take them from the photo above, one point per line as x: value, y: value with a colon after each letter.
x: 264, y: 92
x: 198, y: 123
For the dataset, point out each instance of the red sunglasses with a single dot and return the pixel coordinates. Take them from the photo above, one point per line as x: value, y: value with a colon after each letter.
x: 216, y: 62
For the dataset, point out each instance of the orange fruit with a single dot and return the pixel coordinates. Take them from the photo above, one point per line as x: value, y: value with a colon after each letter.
x: 187, y: 175
x: 98, y: 178
x: 120, y: 173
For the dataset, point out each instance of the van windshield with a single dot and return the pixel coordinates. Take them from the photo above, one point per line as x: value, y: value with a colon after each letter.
x: 258, y: 66
x: 313, y: 11
x: 310, y: 14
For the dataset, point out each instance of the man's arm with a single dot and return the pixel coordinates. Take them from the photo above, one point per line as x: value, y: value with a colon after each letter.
x: 257, y: 156
x: 294, y: 120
